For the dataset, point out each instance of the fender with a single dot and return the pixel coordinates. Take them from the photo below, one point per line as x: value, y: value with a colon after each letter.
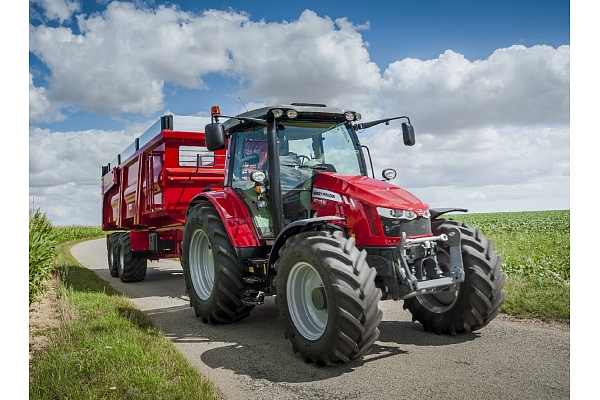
x: 234, y: 214
x: 302, y: 225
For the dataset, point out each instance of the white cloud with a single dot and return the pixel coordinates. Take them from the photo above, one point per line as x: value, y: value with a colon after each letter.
x: 123, y: 57
x: 40, y: 108
x: 480, y: 164
x: 60, y: 10
x: 516, y: 86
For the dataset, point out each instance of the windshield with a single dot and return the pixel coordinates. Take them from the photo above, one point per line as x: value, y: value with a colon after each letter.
x: 305, y: 149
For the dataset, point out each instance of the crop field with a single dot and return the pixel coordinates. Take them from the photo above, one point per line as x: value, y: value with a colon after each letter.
x: 532, y: 243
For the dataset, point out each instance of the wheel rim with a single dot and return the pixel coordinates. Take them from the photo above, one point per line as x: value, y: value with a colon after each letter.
x: 439, y: 302
x: 308, y: 319
x: 202, y: 264
x: 444, y: 300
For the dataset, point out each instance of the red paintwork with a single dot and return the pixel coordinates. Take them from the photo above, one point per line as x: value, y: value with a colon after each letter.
x: 235, y: 217
x: 150, y: 192
x: 358, y: 194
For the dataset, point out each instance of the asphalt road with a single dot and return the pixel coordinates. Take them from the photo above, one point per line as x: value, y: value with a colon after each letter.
x: 251, y: 359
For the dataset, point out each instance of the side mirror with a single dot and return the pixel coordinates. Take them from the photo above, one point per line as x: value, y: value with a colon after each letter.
x: 408, y: 133
x: 214, y: 136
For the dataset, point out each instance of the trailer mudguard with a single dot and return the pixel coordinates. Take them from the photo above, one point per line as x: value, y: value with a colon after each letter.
x: 234, y: 214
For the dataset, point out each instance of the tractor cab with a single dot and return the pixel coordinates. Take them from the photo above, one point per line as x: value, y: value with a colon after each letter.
x: 308, y: 139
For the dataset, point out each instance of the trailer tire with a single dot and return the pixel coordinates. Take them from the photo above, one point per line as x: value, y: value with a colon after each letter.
x: 327, y: 297
x: 212, y: 272
x: 131, y: 268
x: 111, y: 249
x: 478, y: 298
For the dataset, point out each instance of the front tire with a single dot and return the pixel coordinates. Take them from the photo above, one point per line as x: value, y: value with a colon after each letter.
x: 477, y: 300
x: 327, y: 297
x: 212, y: 272
x: 130, y: 267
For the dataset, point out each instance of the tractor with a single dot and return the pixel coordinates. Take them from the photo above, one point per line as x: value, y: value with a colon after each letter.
x: 301, y: 216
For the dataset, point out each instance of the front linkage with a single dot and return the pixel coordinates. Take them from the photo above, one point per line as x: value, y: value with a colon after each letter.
x: 417, y: 267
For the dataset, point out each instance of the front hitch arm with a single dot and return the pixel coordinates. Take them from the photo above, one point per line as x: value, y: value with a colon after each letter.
x: 456, y: 271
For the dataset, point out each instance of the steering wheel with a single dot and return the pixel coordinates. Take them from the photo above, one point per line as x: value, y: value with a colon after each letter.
x: 303, y: 159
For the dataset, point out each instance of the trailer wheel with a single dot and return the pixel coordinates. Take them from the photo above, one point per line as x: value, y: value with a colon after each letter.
x: 212, y: 272
x: 130, y: 268
x: 327, y: 297
x: 477, y: 300
x: 111, y: 249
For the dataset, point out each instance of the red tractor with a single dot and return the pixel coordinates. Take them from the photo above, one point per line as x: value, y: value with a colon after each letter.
x: 297, y: 216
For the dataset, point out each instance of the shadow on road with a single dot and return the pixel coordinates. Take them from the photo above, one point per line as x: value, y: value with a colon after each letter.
x: 256, y: 346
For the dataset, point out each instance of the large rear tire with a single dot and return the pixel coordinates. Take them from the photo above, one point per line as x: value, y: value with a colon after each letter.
x: 111, y: 249
x: 130, y: 268
x: 327, y: 297
x: 212, y: 272
x: 477, y: 300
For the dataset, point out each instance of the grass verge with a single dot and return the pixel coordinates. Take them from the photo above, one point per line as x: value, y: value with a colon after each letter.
x: 105, y: 348
x: 536, y: 297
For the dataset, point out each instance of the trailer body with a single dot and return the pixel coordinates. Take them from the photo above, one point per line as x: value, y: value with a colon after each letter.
x: 147, y: 188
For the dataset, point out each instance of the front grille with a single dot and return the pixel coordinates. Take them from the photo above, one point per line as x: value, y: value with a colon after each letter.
x: 417, y: 227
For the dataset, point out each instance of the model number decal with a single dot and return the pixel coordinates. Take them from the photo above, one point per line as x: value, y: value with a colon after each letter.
x: 326, y: 194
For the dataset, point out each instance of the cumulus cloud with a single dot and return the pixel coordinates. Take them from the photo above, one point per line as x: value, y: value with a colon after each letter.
x: 60, y: 10
x: 515, y: 86
x: 56, y: 158
x: 122, y: 58
x: 65, y: 170
x: 40, y: 108
x: 480, y: 165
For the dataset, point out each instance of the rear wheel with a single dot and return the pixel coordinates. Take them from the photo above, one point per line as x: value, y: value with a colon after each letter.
x: 212, y: 272
x: 327, y: 297
x: 130, y: 267
x: 111, y: 249
x: 477, y: 300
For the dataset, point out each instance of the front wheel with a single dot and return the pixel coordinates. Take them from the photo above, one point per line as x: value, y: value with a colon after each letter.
x: 477, y: 300
x: 327, y: 297
x: 212, y: 272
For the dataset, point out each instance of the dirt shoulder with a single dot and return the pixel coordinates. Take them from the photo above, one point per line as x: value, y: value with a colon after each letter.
x: 43, y: 315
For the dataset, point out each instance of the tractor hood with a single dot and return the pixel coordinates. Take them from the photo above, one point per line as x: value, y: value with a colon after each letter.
x: 367, y: 190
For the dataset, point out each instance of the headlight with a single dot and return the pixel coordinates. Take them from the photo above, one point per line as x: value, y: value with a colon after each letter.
x: 399, y: 214
x: 277, y: 113
x: 291, y: 113
x: 388, y: 174
x: 258, y: 176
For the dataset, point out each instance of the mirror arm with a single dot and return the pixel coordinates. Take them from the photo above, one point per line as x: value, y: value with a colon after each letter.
x: 366, y: 125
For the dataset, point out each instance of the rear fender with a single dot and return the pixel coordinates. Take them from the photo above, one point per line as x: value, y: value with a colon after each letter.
x: 234, y: 214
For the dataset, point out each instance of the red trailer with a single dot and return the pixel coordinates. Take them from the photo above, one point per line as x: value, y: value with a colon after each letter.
x: 147, y: 189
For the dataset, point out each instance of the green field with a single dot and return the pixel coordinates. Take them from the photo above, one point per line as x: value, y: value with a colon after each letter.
x: 535, y: 251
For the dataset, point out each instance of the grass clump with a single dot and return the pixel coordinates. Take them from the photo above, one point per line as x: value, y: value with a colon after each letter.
x: 42, y: 243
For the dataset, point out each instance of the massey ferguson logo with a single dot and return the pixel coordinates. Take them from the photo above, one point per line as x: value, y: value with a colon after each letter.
x: 419, y: 212
x: 326, y: 194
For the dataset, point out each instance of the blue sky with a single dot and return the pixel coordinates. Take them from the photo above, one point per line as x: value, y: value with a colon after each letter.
x: 486, y: 84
